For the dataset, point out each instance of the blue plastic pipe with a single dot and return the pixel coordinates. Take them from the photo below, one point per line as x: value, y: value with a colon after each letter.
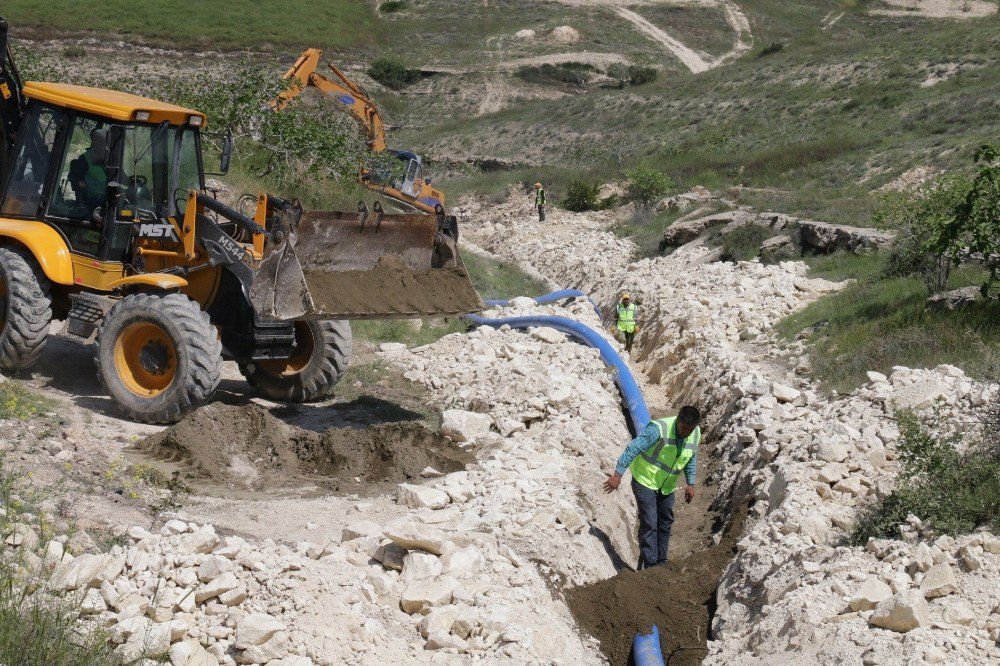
x: 553, y: 296
x: 629, y: 388
x: 646, y: 649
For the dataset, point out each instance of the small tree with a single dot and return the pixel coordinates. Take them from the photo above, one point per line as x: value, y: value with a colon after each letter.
x: 921, y: 218
x: 647, y: 185
x: 974, y: 230
x: 392, y: 73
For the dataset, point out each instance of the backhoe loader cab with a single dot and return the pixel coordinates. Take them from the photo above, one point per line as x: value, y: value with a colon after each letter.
x: 106, y: 223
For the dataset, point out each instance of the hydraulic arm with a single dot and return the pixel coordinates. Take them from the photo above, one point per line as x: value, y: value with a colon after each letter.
x: 409, y: 186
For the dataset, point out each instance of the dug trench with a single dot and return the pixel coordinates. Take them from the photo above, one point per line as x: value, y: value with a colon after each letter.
x: 679, y: 598
x: 245, y: 451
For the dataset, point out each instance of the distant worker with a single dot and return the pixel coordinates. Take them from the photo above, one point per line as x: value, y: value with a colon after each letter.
x: 656, y: 458
x: 540, y: 201
x: 625, y: 319
x: 87, y: 174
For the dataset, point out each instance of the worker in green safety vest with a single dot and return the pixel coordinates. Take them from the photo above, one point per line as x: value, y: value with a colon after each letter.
x: 87, y: 174
x: 540, y: 201
x: 625, y: 320
x: 656, y: 458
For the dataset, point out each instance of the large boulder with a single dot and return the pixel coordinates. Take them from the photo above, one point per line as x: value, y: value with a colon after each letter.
x: 824, y: 238
x: 684, y: 231
x: 902, y: 612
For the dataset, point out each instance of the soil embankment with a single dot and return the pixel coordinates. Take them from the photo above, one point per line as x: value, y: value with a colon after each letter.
x: 244, y: 448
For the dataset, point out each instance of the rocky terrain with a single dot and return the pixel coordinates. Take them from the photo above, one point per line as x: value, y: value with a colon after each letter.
x: 807, y: 461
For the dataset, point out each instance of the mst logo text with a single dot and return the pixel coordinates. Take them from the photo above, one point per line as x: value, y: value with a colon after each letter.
x: 163, y: 230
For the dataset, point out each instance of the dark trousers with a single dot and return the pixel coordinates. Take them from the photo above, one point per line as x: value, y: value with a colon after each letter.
x: 629, y: 337
x: 541, y: 212
x: 656, y: 518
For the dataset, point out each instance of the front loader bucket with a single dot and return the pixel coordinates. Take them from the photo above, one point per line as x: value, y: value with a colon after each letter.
x: 334, y: 265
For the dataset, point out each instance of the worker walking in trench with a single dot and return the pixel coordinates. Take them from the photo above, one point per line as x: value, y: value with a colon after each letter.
x: 540, y: 201
x: 625, y: 320
x: 665, y: 448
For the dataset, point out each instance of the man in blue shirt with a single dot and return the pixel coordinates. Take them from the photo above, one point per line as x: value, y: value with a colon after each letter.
x: 656, y: 458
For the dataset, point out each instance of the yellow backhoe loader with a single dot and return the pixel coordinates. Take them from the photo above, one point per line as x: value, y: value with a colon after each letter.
x: 411, y: 186
x: 105, y: 222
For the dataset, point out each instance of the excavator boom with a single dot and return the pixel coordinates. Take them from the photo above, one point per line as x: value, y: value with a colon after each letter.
x: 411, y: 188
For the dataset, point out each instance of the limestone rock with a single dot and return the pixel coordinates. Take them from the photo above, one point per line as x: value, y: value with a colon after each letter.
x: 785, y: 393
x: 463, y: 426
x: 902, y: 612
x: 86, y: 571
x: 418, y: 537
x: 939, y: 581
x: 215, y: 587
x: 870, y: 594
x: 256, y: 629
x: 418, y: 565
x: 959, y: 613
x: 463, y: 562
x: 832, y: 451
x: 201, y: 541
x: 417, y: 497
x: 427, y: 593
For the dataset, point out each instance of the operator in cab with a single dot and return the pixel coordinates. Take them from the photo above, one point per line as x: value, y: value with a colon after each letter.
x: 87, y: 174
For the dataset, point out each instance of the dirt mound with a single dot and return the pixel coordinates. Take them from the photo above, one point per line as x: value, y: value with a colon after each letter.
x: 679, y: 598
x: 245, y: 448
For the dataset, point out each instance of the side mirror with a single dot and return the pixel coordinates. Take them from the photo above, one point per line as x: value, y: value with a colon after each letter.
x: 427, y: 181
x: 227, y: 153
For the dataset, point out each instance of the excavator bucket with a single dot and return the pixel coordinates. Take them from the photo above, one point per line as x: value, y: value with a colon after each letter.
x: 373, y: 265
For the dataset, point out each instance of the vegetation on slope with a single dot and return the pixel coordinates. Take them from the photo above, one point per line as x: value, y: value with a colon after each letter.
x: 224, y: 26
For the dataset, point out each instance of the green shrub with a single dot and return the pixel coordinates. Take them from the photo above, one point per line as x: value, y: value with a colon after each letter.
x: 392, y: 6
x: 743, y: 243
x: 647, y: 185
x: 639, y: 75
x: 951, y: 491
x: 392, y: 73
x: 619, y: 72
x: 74, y: 51
x: 770, y: 49
x: 582, y: 196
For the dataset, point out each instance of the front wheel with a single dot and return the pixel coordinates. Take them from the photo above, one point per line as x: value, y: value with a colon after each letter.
x: 25, y: 309
x: 319, y: 360
x: 158, y: 357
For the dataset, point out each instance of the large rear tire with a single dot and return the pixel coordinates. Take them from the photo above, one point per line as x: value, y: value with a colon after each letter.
x: 25, y: 309
x: 322, y: 352
x: 158, y: 357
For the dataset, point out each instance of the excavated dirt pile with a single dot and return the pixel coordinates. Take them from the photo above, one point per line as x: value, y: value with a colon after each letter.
x: 245, y: 448
x: 392, y: 287
x: 679, y: 598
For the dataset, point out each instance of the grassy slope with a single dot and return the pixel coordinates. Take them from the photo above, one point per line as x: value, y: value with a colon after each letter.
x: 823, y: 117
x: 215, y: 24
x: 880, y: 321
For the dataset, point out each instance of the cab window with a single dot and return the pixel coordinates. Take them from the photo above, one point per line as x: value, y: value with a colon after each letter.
x: 147, y: 162
x: 27, y: 176
x: 82, y: 186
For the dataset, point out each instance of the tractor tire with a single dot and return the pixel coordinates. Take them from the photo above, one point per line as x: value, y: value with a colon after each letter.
x: 25, y: 309
x: 323, y: 350
x: 158, y: 357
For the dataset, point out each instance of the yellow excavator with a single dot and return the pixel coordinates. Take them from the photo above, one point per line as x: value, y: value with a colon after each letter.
x: 411, y: 187
x: 106, y: 223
